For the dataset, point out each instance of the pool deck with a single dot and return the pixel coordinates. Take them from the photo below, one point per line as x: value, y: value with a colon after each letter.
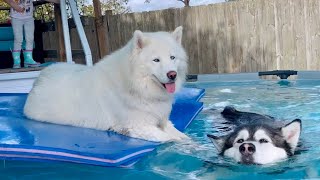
x: 10, y: 70
x: 18, y: 80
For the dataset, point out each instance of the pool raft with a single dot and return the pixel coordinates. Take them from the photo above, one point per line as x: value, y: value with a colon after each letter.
x: 28, y: 140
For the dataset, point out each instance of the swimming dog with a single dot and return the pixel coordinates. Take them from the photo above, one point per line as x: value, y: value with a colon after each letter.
x: 256, y: 138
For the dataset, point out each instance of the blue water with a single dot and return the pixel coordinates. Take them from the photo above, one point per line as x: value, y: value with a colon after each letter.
x: 285, y: 100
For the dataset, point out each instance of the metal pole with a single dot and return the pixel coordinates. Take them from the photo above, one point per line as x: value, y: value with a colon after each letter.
x: 65, y: 28
x: 82, y: 35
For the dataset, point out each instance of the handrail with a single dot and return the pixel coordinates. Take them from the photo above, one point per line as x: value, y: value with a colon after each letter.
x: 65, y: 27
x: 82, y: 35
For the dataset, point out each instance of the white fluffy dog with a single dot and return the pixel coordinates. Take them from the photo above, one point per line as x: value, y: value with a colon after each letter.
x: 129, y: 92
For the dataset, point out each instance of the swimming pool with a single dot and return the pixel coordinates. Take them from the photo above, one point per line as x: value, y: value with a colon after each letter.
x: 284, y: 100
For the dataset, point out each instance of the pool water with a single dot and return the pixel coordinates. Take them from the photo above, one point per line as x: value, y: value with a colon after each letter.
x: 284, y: 100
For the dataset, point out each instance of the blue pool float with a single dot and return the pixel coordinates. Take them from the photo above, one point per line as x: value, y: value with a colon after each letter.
x: 24, y: 139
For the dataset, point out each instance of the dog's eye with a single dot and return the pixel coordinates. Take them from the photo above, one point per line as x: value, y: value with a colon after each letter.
x: 156, y: 60
x: 172, y: 57
x: 263, y: 141
x: 240, y: 141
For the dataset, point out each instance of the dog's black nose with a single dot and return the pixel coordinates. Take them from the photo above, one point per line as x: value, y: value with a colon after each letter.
x: 172, y: 75
x: 247, y: 149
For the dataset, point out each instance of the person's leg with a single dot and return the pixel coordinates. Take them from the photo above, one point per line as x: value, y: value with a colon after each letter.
x: 29, y: 36
x: 17, y: 26
x: 29, y: 33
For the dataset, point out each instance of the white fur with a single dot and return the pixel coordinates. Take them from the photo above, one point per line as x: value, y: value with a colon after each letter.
x: 265, y: 152
x: 123, y: 92
x: 243, y: 134
x: 234, y: 152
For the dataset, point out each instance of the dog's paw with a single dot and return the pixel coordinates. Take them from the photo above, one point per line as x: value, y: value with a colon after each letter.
x: 181, y: 138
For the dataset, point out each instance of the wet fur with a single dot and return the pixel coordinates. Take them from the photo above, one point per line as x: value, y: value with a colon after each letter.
x: 278, y: 133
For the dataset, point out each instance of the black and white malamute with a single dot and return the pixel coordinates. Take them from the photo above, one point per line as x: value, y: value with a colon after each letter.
x: 257, y: 139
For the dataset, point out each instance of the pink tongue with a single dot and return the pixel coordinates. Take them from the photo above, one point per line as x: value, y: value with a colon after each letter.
x: 171, y: 87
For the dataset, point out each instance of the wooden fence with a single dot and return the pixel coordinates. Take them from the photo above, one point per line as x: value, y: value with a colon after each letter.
x: 241, y: 36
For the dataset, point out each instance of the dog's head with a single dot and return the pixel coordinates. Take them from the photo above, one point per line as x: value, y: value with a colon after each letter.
x: 259, y: 143
x: 160, y: 58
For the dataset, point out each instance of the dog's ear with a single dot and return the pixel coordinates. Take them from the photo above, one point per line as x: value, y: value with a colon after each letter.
x: 139, y: 40
x: 177, y: 34
x: 218, y: 142
x: 291, y: 133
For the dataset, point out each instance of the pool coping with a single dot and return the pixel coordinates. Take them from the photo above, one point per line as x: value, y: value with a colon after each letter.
x: 21, y: 82
x: 306, y: 75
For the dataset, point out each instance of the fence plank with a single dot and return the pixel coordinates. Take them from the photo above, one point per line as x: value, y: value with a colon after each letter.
x: 239, y: 36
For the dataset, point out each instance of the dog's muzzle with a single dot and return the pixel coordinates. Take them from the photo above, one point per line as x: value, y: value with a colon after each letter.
x: 172, y: 75
x: 171, y: 86
x: 247, y: 150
